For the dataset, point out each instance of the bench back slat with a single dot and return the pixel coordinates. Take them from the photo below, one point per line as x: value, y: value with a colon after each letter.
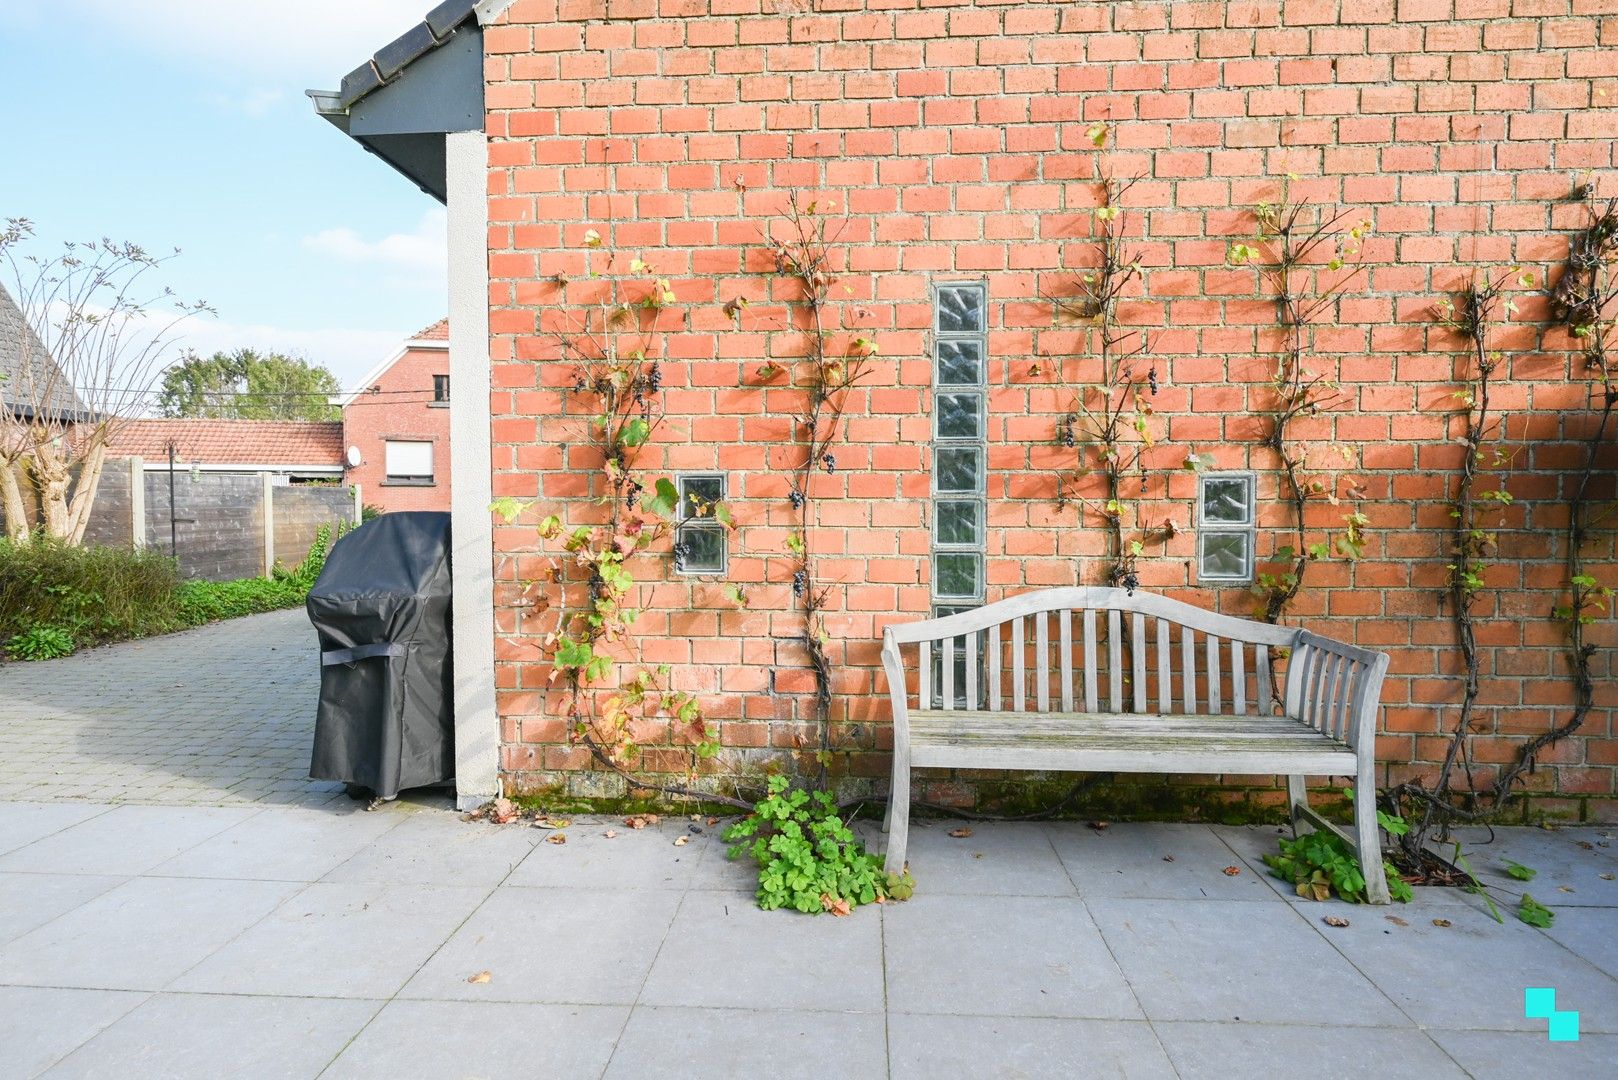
x: 1019, y: 681
x: 1261, y: 665
x: 1092, y: 695
x: 972, y: 655
x: 1238, y: 679
x: 1188, y: 668
x: 1138, y: 657
x: 924, y: 679
x: 1115, y: 659
x: 1064, y: 642
x: 1042, y: 660
x: 994, y: 668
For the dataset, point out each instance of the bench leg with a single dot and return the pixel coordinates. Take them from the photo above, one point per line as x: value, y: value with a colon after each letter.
x: 897, y: 821
x: 1297, y: 796
x: 1367, y: 844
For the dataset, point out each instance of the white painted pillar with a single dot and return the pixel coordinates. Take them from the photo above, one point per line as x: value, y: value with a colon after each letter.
x: 137, y: 503
x: 359, y: 505
x: 269, y: 523
x: 477, y: 728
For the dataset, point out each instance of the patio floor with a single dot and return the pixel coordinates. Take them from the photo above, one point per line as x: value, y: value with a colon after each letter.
x: 272, y: 941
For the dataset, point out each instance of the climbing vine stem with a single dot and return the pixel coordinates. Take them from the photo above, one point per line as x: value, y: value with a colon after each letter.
x: 589, y: 591
x: 1306, y: 255
x: 1585, y: 301
x: 801, y: 248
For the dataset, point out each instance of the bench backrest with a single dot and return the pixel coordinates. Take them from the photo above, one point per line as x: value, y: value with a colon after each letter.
x: 1107, y: 650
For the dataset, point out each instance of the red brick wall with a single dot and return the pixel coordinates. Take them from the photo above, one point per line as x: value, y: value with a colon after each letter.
x: 401, y: 408
x: 953, y: 132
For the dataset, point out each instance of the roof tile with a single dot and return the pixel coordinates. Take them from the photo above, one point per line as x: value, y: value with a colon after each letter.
x: 307, y: 443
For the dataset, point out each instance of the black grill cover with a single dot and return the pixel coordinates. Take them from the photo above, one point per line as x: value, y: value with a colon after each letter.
x: 381, y: 608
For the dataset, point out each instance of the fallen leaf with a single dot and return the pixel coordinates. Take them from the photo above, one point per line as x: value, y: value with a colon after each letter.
x: 1395, y: 920
x: 552, y: 823
x: 977, y: 854
x: 839, y: 906
x: 1606, y: 877
x: 556, y: 838
x: 480, y: 978
x: 1441, y: 922
x: 1232, y: 871
x: 635, y: 821
x: 1335, y: 920
x: 1098, y: 826
x: 680, y: 841
x: 503, y: 811
x: 962, y: 833
x: 1564, y: 888
x: 713, y: 821
x: 1168, y: 858
x: 609, y: 834
x: 651, y: 819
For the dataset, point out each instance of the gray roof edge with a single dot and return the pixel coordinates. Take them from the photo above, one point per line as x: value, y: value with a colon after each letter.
x: 437, y: 27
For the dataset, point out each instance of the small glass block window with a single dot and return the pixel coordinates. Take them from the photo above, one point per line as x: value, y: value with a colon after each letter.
x: 960, y: 416
x: 959, y: 469
x: 1225, y: 527
x: 700, y: 542
x: 961, y: 309
x: 960, y: 363
x: 959, y: 522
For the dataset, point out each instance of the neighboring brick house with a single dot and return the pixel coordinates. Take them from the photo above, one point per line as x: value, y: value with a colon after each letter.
x: 396, y: 426
x: 954, y: 134
x: 292, y: 451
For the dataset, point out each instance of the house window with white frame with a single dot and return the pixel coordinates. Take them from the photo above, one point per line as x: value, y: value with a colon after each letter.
x: 408, y: 461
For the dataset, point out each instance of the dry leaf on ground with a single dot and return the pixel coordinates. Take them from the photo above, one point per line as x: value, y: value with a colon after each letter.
x: 1232, y: 871
x: 480, y: 978
x: 1335, y: 920
x: 1098, y: 826
x: 838, y: 906
x: 556, y: 838
x: 502, y: 811
x: 1441, y: 922
x: 1168, y: 858
x: 1395, y: 920
x: 609, y: 834
x: 680, y: 841
x: 962, y: 833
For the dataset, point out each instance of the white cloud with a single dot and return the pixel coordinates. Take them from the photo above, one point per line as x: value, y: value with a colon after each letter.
x: 423, y: 250
x: 301, y: 39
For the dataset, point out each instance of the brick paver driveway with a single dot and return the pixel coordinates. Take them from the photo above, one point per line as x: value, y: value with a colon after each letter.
x: 218, y: 716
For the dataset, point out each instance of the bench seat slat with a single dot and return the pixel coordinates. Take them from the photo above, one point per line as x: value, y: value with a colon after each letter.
x: 950, y: 738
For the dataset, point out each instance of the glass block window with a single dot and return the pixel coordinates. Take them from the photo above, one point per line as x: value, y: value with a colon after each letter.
x: 1225, y: 527
x: 960, y: 344
x: 700, y: 542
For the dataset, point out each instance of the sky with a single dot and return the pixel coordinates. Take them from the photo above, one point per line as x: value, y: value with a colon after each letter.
x: 183, y: 124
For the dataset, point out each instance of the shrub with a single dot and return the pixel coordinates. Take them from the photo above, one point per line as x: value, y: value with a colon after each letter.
x: 807, y: 858
x: 40, y: 643
x: 92, y: 593
x: 201, y: 602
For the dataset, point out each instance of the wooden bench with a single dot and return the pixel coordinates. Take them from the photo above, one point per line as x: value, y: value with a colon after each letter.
x: 1099, y: 680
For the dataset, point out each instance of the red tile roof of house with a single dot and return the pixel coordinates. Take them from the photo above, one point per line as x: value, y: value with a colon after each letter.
x: 438, y: 331
x: 232, y: 442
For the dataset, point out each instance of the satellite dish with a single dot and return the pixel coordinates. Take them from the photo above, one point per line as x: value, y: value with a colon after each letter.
x: 354, y: 457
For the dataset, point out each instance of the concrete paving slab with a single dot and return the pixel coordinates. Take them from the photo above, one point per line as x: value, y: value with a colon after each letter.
x: 482, y: 1039
x: 723, y: 951
x: 439, y: 849
x: 299, y: 845
x: 1513, y: 1055
x: 554, y: 946
x: 24, y: 822
x: 337, y: 939
x: 41, y: 1025
x: 673, y: 1043
x: 125, y: 840
x: 1252, y: 961
x: 1590, y: 933
x: 1001, y: 956
x: 1153, y: 861
x: 1219, y: 1051
x: 631, y: 859
x: 205, y: 1037
x: 1568, y: 864
x: 1471, y: 974
x: 995, y: 859
x: 1017, y: 1047
x: 31, y: 900
x: 140, y: 935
